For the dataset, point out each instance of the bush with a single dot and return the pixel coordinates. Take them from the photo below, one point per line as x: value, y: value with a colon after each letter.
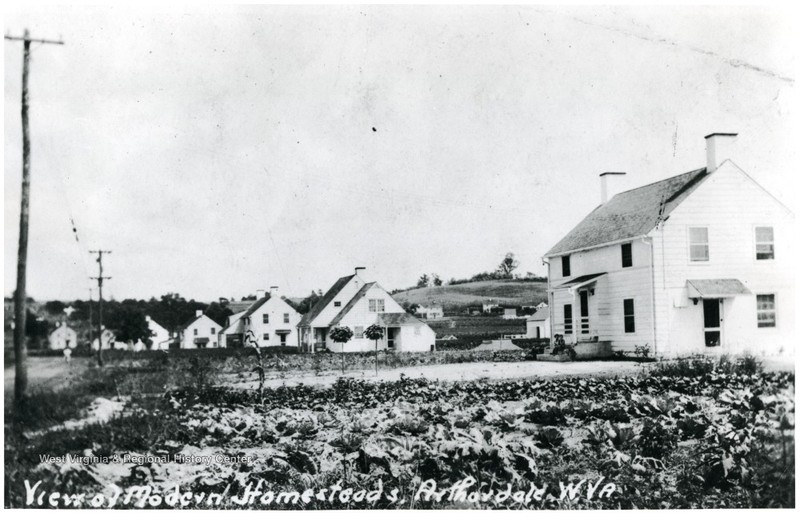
x: 658, y: 439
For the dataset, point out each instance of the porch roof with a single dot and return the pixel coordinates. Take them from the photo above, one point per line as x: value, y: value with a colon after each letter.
x: 726, y: 287
x: 580, y: 281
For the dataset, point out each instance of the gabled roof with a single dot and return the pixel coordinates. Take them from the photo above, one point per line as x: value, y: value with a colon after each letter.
x: 238, y: 306
x: 255, y: 306
x: 350, y: 304
x: 630, y: 214
x: 541, y: 314
x: 397, y: 319
x: 320, y: 305
x: 191, y: 321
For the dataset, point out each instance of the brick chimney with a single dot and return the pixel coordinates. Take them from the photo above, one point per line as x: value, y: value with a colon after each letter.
x: 719, y: 148
x: 198, y: 313
x: 360, y: 271
x: 260, y: 293
x: 273, y: 291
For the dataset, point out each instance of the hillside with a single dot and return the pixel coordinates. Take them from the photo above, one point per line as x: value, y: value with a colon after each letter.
x: 459, y: 296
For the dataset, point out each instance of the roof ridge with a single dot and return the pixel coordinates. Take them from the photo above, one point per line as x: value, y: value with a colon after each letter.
x: 659, y: 181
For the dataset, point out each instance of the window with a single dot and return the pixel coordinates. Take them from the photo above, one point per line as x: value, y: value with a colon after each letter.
x: 630, y: 321
x: 265, y: 318
x: 565, y: 270
x: 213, y: 330
x: 627, y: 255
x: 266, y: 336
x: 765, y: 306
x: 765, y: 243
x: 376, y: 305
x: 195, y: 331
x: 567, y: 319
x: 417, y: 330
x: 286, y: 318
x: 359, y: 332
x: 698, y: 244
x: 337, y: 303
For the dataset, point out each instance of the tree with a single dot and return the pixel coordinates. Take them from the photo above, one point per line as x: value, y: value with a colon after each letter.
x: 128, y: 323
x: 410, y: 307
x: 54, y: 307
x: 423, y: 281
x: 374, y: 332
x: 507, y: 265
x: 437, y: 281
x: 219, y: 313
x: 307, y: 303
x: 341, y: 334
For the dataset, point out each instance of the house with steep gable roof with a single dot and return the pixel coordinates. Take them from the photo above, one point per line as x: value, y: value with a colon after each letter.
x: 701, y: 262
x: 201, y: 332
x: 270, y: 321
x: 62, y: 337
x: 538, y: 324
x: 356, y: 303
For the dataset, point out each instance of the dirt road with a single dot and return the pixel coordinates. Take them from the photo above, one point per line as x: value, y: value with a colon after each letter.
x: 47, y: 372
x: 463, y: 372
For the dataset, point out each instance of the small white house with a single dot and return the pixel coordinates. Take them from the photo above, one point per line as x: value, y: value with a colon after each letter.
x: 357, y: 304
x: 159, y: 336
x: 62, y: 337
x: 271, y: 321
x: 538, y: 324
x: 108, y: 338
x: 510, y: 313
x: 701, y: 262
x: 430, y: 312
x: 201, y: 332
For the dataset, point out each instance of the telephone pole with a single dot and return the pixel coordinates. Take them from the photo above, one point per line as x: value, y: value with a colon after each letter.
x: 100, y: 279
x: 20, y: 296
x: 90, y: 317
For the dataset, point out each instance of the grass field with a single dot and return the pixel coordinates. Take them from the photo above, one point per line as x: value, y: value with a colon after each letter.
x: 456, y: 297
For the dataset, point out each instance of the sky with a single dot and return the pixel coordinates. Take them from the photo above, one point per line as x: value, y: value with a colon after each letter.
x: 221, y: 150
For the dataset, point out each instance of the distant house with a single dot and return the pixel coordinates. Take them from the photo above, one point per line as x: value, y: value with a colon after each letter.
x: 159, y: 336
x: 430, y: 312
x: 448, y: 337
x: 701, y: 262
x: 200, y: 332
x: 541, y: 305
x: 538, y: 324
x: 490, y: 306
x: 62, y: 337
x: 270, y: 320
x: 108, y: 338
x: 357, y: 304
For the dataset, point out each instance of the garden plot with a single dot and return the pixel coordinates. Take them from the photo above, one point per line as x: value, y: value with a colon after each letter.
x: 702, y: 437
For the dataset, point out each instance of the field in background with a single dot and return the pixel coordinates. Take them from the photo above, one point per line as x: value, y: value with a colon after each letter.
x: 457, y: 297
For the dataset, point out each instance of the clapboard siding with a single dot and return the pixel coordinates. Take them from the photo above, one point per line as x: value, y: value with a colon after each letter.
x: 730, y: 205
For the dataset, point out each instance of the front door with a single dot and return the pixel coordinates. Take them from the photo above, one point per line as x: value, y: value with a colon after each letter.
x: 584, y: 312
x: 712, y: 322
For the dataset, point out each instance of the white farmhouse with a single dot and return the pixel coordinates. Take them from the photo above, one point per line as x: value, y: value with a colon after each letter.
x: 159, y: 336
x: 431, y: 312
x: 357, y: 304
x: 200, y: 332
x: 270, y: 320
x: 698, y: 263
x: 538, y: 324
x: 108, y: 338
x: 62, y: 337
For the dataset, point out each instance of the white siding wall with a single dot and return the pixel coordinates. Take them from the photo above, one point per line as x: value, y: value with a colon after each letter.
x: 606, y: 305
x: 275, y: 308
x: 206, y: 328
x: 63, y: 337
x: 544, y: 329
x: 343, y: 297
x: 731, y: 206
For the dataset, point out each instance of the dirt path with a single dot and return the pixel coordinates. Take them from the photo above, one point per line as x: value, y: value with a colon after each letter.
x: 47, y: 372
x: 463, y: 372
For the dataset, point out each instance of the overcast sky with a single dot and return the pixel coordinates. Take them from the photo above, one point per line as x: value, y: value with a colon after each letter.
x: 222, y: 150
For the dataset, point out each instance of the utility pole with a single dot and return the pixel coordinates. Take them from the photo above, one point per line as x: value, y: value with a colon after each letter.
x: 20, y: 296
x: 90, y: 317
x: 100, y: 279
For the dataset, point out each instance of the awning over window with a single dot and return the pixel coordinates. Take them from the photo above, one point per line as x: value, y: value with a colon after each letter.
x: 729, y: 287
x: 283, y: 332
x: 580, y: 281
